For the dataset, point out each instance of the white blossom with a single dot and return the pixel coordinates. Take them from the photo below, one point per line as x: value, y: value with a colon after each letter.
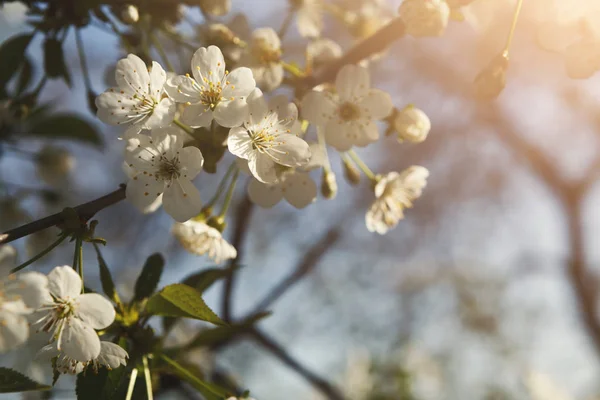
x: 151, y: 207
x: 163, y: 166
x: 264, y: 58
x: 269, y: 137
x: 394, y: 192
x: 411, y: 124
x: 217, y: 8
x: 54, y: 164
x: 425, y: 17
x: 199, y: 238
x: 111, y: 356
x: 228, y: 37
x: 139, y: 99
x: 72, y: 316
x: 213, y: 92
x: 348, y: 117
x: 323, y: 51
x: 309, y: 17
x: 296, y: 187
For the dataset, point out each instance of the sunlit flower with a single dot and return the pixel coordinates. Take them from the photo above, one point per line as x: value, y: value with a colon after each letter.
x: 411, y: 124
x: 163, y: 166
x: 228, y: 37
x: 139, y: 99
x: 269, y: 137
x: 296, y: 187
x: 111, y: 356
x: 368, y: 18
x: 217, y: 8
x: 54, y: 164
x: 72, y: 316
x: 213, y: 92
x: 130, y: 14
x: 309, y: 17
x: 151, y: 207
x: 394, y: 192
x: 323, y: 51
x: 199, y: 238
x: 425, y: 17
x: 264, y: 58
x: 348, y: 116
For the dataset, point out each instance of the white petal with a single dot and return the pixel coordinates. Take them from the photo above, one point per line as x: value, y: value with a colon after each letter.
x: 112, y: 355
x: 183, y: 89
x: 132, y: 73
x: 231, y: 113
x: 340, y: 136
x: 208, y: 63
x: 268, y: 37
x: 367, y: 134
x: 14, y: 330
x: 95, y: 310
x: 142, y: 191
x: 318, y: 107
x: 191, y: 160
x: 299, y: 189
x: 64, y: 282
x: 163, y: 114
x: 182, y: 200
x: 272, y: 77
x: 158, y: 77
x: 291, y: 152
x: 377, y: 104
x: 310, y: 21
x: 262, y: 167
x: 239, y: 143
x: 258, y: 107
x: 264, y: 195
x: 352, y: 82
x: 8, y: 259
x: 32, y: 287
x: 285, y: 110
x: 79, y: 341
x: 110, y: 106
x: 241, y: 83
x: 197, y: 115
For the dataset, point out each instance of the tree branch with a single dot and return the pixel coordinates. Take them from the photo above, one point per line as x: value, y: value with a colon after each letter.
x: 321, y: 384
x: 84, y: 211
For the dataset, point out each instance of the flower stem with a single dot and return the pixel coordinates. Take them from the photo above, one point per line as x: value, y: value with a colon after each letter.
x: 40, y: 255
x: 229, y: 195
x: 191, y: 378
x: 513, y: 27
x: 131, y: 386
x: 221, y: 186
x: 161, y: 51
x: 293, y: 69
x: 361, y: 165
x: 148, y: 378
x: 77, y: 259
x: 184, y: 127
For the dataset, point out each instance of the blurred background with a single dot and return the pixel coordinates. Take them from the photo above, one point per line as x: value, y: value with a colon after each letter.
x: 487, y: 290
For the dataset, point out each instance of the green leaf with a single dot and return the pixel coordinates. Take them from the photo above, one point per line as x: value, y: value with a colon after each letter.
x: 104, y: 385
x: 208, y: 390
x: 65, y: 126
x: 148, y: 280
x: 24, y: 75
x: 214, y: 336
x: 108, y: 285
x: 12, y: 381
x: 204, y: 279
x: 54, y: 60
x: 12, y: 53
x: 179, y: 300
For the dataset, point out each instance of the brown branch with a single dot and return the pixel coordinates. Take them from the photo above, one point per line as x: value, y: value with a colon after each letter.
x: 84, y: 211
x: 374, y: 44
x: 278, y: 351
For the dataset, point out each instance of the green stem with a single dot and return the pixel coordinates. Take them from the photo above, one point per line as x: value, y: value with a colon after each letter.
x: 161, y: 51
x: 131, y: 386
x: 229, y: 195
x: 361, y: 165
x: 148, y: 378
x: 221, y: 186
x: 293, y: 69
x: 513, y: 26
x: 77, y: 263
x: 185, y: 374
x: 183, y: 126
x: 40, y: 255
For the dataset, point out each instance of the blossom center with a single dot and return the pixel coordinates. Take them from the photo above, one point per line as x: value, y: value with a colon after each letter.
x: 168, y: 169
x: 262, y: 140
x: 349, y: 112
x: 265, y: 53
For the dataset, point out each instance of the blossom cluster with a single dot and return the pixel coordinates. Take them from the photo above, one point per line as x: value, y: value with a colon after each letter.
x: 55, y: 307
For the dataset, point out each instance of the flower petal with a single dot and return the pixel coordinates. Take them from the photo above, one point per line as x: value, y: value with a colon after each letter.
x: 132, y: 73
x: 239, y: 142
x: 377, y: 104
x: 163, y: 114
x: 208, y: 63
x: 183, y: 89
x: 271, y: 77
x: 352, y: 82
x: 318, y: 107
x: 231, y: 113
x: 257, y: 106
x: 291, y: 151
x: 95, y: 310
x: 182, y: 200
x: 288, y: 112
x: 191, y: 160
x: 299, y: 189
x: 112, y: 355
x: 79, y: 341
x: 158, y: 77
x: 264, y: 195
x: 197, y: 115
x: 64, y: 282
x: 142, y: 191
x: 241, y: 83
x: 262, y: 167
x: 340, y: 136
x: 32, y: 288
x: 14, y: 330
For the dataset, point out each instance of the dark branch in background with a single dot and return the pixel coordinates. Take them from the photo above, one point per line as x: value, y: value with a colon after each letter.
x: 325, y: 387
x: 308, y: 263
x: 244, y: 211
x: 84, y: 211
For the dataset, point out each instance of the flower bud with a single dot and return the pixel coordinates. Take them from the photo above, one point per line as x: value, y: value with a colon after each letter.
x: 351, y: 174
x: 411, y: 124
x: 54, y: 164
x: 425, y: 18
x: 582, y: 59
x: 323, y: 51
x: 490, y: 82
x: 130, y: 14
x: 329, y: 186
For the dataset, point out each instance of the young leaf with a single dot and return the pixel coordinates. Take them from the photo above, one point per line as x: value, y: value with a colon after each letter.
x: 12, y: 381
x: 105, y: 385
x: 148, y: 280
x: 65, y: 126
x: 108, y: 286
x: 204, y: 279
x: 12, y: 52
x: 179, y: 300
x: 208, y: 390
x: 54, y: 60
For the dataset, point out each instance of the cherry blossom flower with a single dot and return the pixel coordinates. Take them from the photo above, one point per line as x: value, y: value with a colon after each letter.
x: 264, y: 58
x: 309, y: 17
x: 139, y: 99
x: 323, y: 51
x: 296, y: 187
x: 269, y: 137
x: 163, y: 166
x: 72, y: 316
x: 348, y: 116
x: 228, y: 37
x: 111, y: 356
x: 213, y: 92
x: 199, y: 238
x: 425, y: 18
x: 394, y: 192
x: 411, y: 124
